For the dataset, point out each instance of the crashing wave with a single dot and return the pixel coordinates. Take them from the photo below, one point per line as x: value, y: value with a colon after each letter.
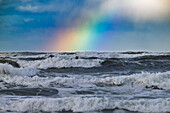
x: 83, y: 104
x: 83, y: 54
x: 10, y: 70
x: 60, y: 62
x: 118, y: 55
x: 159, y: 80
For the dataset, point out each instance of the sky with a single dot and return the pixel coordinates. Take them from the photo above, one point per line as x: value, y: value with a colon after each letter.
x: 84, y: 25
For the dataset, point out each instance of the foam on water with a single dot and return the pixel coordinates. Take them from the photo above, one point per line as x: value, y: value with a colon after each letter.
x: 31, y: 56
x: 85, y: 54
x: 160, y: 80
x: 116, y: 54
x: 82, y: 104
x: 116, y: 81
x: 59, y: 62
x: 10, y: 70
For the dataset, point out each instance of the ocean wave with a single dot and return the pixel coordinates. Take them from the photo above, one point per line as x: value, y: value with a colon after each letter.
x: 148, y: 80
x: 83, y: 104
x: 60, y: 62
x: 84, y: 82
x: 99, y: 55
x: 119, y: 54
x: 10, y: 70
x: 13, y: 63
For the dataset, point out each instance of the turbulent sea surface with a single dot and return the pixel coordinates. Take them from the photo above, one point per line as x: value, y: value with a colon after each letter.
x: 90, y: 82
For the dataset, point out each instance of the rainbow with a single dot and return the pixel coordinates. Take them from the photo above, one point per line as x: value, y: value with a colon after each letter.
x: 90, y: 34
x: 87, y: 36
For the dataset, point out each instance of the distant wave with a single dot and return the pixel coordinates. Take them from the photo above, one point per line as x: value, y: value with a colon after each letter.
x: 84, y: 59
x: 60, y: 62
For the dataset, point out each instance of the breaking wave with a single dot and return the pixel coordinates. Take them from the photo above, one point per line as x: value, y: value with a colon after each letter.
x: 148, y: 80
x: 85, y: 82
x: 83, y: 104
x: 10, y: 70
x: 58, y: 62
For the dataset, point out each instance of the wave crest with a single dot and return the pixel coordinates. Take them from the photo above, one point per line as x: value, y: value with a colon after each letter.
x: 10, y: 70
x: 58, y: 62
x: 82, y: 104
x: 160, y: 80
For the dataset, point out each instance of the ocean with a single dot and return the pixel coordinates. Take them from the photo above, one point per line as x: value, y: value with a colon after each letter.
x: 88, y: 82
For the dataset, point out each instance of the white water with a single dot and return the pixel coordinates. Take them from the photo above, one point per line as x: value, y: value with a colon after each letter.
x: 10, y: 70
x: 59, y: 62
x: 82, y: 104
x: 161, y: 80
x: 116, y: 55
x: 87, y: 91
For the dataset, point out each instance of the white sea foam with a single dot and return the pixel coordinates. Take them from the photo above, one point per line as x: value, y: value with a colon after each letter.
x: 60, y: 62
x: 108, y: 92
x: 161, y: 80
x: 2, y: 55
x: 10, y: 70
x: 85, y: 54
x: 116, y: 54
x: 82, y: 104
x: 66, y: 61
x: 31, y: 56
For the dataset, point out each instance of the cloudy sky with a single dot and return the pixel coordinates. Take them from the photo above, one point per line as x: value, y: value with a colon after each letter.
x: 84, y: 25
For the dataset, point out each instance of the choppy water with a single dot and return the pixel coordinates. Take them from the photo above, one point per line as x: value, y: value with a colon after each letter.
x: 108, y: 82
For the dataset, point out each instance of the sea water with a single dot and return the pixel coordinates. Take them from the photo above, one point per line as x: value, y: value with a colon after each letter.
x: 90, y: 82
